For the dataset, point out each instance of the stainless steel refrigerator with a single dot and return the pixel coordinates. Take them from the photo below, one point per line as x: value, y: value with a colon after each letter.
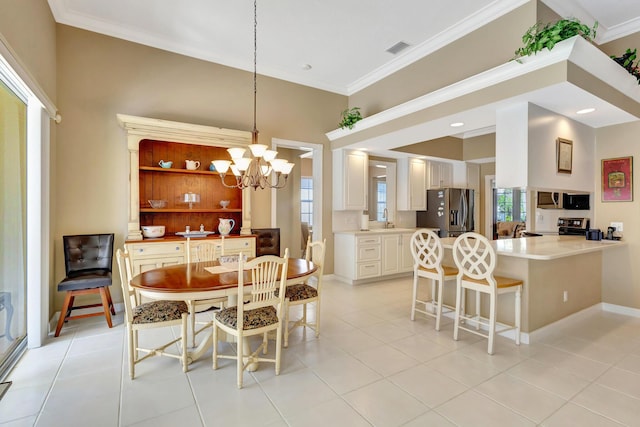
x: 448, y: 209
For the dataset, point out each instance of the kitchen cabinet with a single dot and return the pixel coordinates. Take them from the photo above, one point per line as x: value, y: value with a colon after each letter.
x: 350, y: 175
x: 149, y: 141
x: 369, y: 256
x: 440, y: 175
x: 412, y: 184
x: 149, y: 254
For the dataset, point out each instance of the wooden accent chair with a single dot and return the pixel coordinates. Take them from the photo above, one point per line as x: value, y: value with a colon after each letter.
x: 264, y: 312
x: 88, y: 262
x: 475, y: 258
x: 306, y: 293
x: 427, y: 252
x: 149, y: 315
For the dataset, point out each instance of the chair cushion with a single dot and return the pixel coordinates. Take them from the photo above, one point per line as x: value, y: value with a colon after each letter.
x: 93, y: 279
x: 252, y: 319
x: 159, y: 311
x: 300, y: 292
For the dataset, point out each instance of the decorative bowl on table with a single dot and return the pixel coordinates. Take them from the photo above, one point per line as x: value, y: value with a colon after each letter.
x: 158, y: 204
x: 152, y: 231
x: 231, y: 261
x: 224, y: 203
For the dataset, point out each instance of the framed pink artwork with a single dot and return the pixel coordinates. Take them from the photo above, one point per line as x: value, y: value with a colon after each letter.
x: 617, y: 179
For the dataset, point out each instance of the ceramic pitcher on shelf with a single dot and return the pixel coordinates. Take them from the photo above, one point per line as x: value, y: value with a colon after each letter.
x: 192, y: 164
x: 225, y: 226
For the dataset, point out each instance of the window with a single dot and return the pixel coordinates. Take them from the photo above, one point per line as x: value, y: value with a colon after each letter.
x: 381, y: 199
x: 510, y: 204
x: 306, y: 200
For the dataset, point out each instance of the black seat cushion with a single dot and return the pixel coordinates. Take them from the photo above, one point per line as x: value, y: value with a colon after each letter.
x: 252, y: 319
x: 159, y: 311
x: 96, y: 279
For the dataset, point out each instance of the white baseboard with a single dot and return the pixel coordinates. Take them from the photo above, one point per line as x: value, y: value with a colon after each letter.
x: 620, y: 309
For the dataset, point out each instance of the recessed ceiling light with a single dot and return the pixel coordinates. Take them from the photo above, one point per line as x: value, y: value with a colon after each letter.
x: 456, y: 124
x: 586, y: 111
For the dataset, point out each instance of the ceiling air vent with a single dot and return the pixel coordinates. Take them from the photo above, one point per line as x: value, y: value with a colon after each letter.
x: 398, y: 47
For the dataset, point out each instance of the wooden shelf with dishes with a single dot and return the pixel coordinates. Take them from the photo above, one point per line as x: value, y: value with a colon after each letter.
x: 171, y: 185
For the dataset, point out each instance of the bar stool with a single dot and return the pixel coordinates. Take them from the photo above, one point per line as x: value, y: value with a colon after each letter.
x: 475, y: 258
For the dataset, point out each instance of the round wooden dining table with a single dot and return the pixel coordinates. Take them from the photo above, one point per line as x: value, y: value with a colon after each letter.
x: 206, y: 280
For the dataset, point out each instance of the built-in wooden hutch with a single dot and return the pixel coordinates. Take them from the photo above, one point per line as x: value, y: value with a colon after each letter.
x: 151, y: 140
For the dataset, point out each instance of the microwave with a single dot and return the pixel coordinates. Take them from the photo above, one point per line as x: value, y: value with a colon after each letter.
x: 575, y: 201
x: 549, y: 200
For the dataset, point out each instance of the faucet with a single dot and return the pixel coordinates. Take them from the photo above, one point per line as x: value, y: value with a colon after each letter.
x: 385, y: 216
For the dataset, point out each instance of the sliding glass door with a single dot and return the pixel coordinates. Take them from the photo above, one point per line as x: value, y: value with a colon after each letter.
x: 13, y: 211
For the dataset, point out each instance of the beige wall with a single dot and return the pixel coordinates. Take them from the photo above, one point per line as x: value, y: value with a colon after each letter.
x: 28, y: 28
x: 479, y: 147
x: 621, y: 275
x: 100, y: 76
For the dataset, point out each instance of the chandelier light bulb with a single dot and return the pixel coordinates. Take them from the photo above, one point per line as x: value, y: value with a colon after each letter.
x: 236, y: 152
x: 258, y: 150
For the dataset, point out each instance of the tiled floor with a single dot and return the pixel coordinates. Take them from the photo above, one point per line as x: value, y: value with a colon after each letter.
x: 370, y: 366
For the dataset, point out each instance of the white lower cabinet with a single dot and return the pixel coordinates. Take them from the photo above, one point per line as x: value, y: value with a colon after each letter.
x: 147, y: 255
x: 362, y: 258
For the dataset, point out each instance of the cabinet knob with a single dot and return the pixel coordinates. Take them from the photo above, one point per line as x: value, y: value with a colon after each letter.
x: 140, y: 250
x: 177, y: 248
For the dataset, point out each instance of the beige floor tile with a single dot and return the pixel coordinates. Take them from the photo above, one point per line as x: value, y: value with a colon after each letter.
x: 610, y: 404
x: 473, y: 409
x: 463, y: 369
x: 335, y: 412
x: 582, y: 367
x: 431, y: 419
x: 384, y: 404
x: 549, y: 378
x: 346, y: 373
x: 189, y: 416
x: 630, y: 362
x: 428, y: 385
x: 386, y: 360
x: 521, y: 397
x: 574, y: 415
x: 621, y: 380
x: 420, y: 347
x: 587, y: 349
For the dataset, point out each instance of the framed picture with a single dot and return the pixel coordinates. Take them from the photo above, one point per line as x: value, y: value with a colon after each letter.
x: 564, y: 155
x: 617, y: 179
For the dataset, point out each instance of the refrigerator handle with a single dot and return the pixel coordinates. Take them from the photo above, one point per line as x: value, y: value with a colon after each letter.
x: 463, y: 202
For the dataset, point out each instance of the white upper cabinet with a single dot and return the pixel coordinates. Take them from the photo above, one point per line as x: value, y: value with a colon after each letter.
x: 412, y: 183
x: 440, y: 175
x: 350, y: 175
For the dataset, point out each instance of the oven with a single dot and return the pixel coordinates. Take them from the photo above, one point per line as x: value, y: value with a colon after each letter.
x: 573, y: 226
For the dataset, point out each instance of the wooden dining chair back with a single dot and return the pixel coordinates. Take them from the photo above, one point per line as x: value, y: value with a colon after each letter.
x: 200, y: 251
x: 154, y: 314
x: 88, y: 260
x: 306, y: 293
x: 260, y: 314
x: 476, y: 260
x: 427, y: 253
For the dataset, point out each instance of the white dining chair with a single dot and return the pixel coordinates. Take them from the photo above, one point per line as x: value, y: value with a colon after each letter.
x: 306, y: 293
x: 200, y: 251
x: 427, y: 252
x: 149, y: 315
x: 476, y: 260
x: 264, y: 312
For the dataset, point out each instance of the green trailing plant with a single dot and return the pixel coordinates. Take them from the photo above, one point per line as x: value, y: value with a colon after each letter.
x: 350, y: 117
x: 626, y: 62
x: 539, y: 37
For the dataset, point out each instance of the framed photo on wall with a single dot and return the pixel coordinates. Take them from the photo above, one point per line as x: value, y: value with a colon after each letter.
x: 564, y: 155
x: 617, y: 179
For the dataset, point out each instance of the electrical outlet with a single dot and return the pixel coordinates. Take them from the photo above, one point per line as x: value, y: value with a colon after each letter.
x: 565, y: 296
x: 617, y: 225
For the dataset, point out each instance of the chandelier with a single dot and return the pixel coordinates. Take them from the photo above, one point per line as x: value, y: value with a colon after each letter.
x: 262, y: 169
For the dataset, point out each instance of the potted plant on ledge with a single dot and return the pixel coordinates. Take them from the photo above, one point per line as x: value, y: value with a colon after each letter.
x: 350, y: 117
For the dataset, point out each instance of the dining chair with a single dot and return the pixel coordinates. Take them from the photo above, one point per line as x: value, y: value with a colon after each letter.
x: 263, y: 312
x: 88, y: 261
x: 427, y: 252
x: 149, y: 315
x: 476, y: 260
x: 204, y: 250
x: 307, y: 292
x: 304, y: 233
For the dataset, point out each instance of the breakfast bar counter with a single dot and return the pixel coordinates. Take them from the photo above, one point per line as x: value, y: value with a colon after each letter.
x: 562, y: 275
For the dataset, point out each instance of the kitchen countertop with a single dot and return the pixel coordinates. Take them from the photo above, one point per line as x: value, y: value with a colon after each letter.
x: 395, y: 230
x: 546, y: 247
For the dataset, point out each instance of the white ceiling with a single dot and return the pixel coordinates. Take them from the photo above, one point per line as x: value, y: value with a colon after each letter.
x: 344, y: 42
